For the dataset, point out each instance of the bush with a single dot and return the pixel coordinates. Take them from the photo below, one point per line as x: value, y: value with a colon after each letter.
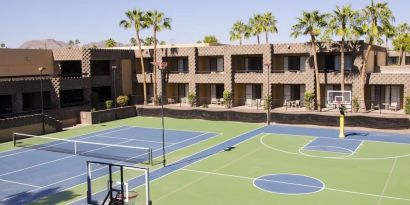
x: 122, y: 100
x: 407, y: 105
x: 227, y: 99
x: 204, y: 106
x: 355, y: 104
x: 309, y: 99
x: 192, y: 99
x: 108, y: 104
x: 267, y: 100
x: 93, y: 109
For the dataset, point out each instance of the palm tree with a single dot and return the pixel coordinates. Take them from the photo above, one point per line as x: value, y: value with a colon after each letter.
x: 157, y: 22
x: 136, y: 19
x: 342, y: 24
x: 400, y: 43
x: 110, y: 43
x: 311, y: 24
x: 133, y: 41
x: 256, y: 25
x: 210, y: 39
x: 375, y: 18
x: 238, y: 31
x: 269, y: 24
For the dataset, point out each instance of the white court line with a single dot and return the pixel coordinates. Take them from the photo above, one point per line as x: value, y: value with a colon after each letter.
x: 30, y: 150
x: 122, y: 162
x: 123, y: 138
x: 326, y: 188
x: 185, y: 158
x: 19, y: 183
x: 181, y: 130
x: 387, y: 181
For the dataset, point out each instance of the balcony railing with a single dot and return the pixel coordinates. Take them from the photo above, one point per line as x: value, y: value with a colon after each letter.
x: 177, y: 71
x: 208, y: 71
x: 37, y: 77
x: 248, y: 71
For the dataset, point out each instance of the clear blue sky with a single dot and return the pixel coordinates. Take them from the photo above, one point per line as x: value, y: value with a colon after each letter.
x: 95, y: 20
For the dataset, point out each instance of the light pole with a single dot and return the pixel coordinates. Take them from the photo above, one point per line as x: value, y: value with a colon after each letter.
x: 114, y: 70
x: 162, y: 66
x: 269, y: 97
x: 41, y: 69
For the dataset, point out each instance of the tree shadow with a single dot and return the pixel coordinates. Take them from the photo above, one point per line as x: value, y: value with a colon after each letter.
x: 46, y: 196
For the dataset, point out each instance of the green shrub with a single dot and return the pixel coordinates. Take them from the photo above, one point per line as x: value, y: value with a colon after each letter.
x: 227, y: 99
x: 192, y: 99
x: 267, y: 101
x: 122, y: 100
x: 204, y: 106
x: 93, y: 109
x: 309, y: 99
x: 407, y: 105
x: 355, y: 104
x: 108, y: 104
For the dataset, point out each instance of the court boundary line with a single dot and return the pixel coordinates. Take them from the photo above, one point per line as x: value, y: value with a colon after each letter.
x: 326, y: 188
x: 19, y: 183
x: 247, y: 132
x: 123, y: 138
x: 159, y: 128
x: 12, y: 154
x: 119, y: 162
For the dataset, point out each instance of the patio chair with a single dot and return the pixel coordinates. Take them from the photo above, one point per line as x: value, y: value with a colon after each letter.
x: 248, y: 102
x: 394, y: 106
x: 171, y: 101
x: 221, y: 101
x: 296, y: 104
x: 183, y: 100
x: 375, y: 106
x: 214, y: 101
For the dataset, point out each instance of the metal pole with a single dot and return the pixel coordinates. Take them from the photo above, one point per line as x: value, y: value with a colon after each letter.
x: 269, y: 99
x: 115, y: 86
x: 162, y: 117
x: 42, y: 103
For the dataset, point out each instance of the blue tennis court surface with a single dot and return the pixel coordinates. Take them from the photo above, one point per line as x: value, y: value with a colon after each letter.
x: 29, y: 174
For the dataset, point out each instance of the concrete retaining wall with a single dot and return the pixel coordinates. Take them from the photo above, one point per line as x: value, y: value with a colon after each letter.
x: 108, y: 115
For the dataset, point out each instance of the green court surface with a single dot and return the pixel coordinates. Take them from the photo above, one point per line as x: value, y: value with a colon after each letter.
x: 377, y: 173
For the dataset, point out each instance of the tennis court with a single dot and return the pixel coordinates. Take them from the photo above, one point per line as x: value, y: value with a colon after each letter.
x: 48, y: 165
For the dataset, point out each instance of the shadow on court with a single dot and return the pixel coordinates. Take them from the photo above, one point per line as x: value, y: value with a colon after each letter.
x: 29, y: 197
x: 351, y: 134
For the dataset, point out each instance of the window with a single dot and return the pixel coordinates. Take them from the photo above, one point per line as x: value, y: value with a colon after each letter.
x: 102, y: 93
x: 32, y: 101
x: 407, y: 60
x: 219, y: 90
x: 71, y: 97
x: 216, y: 64
x: 100, y: 67
x: 253, y: 63
x: 182, y: 64
x: 295, y: 92
x: 71, y: 68
x: 6, y: 104
x: 294, y: 63
x: 394, y: 60
x: 329, y: 62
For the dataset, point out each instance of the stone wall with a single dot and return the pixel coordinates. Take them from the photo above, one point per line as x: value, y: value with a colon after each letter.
x: 108, y: 115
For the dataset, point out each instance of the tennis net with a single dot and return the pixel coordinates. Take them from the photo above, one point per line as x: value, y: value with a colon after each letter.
x: 116, y: 152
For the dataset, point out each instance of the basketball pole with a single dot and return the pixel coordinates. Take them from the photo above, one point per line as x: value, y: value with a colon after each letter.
x: 342, y: 122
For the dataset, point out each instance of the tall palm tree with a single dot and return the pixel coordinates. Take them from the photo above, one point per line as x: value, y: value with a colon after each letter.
x: 157, y: 21
x: 269, y: 24
x: 136, y: 19
x: 256, y: 25
x: 311, y: 24
x: 403, y: 31
x: 110, y: 43
x: 238, y: 31
x: 342, y: 24
x: 375, y: 18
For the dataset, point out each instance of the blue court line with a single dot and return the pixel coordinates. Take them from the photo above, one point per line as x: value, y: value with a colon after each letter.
x: 72, y: 170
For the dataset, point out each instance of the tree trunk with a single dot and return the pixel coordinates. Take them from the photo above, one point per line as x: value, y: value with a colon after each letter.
x: 142, y: 68
x: 318, y: 94
x: 267, y: 38
x: 363, y: 78
x: 401, y: 56
x: 155, y: 67
x: 342, y: 65
x: 257, y: 37
x: 240, y: 41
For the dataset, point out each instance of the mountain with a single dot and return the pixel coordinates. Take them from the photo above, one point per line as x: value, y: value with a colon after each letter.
x: 44, y: 44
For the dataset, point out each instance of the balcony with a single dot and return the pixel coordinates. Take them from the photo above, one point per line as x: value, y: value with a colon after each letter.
x: 394, y: 69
